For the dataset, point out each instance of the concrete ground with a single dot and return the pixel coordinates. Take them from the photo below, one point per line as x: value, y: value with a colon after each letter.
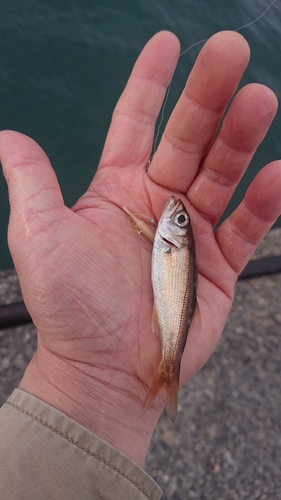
x: 226, y: 442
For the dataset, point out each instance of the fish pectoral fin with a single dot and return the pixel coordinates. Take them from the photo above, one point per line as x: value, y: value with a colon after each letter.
x: 155, y: 322
x: 166, y: 384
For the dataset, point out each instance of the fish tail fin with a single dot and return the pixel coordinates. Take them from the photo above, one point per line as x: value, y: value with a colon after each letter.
x: 165, y: 383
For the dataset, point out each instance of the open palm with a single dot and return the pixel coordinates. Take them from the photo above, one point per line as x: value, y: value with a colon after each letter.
x: 85, y: 274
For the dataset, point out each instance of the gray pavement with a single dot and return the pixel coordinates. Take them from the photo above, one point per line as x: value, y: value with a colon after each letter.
x: 226, y: 442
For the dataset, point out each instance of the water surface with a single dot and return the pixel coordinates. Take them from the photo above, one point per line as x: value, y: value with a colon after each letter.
x: 63, y: 66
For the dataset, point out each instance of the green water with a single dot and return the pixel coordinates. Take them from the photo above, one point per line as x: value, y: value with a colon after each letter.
x: 63, y: 66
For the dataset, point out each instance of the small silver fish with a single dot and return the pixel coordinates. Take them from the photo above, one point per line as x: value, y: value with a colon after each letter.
x: 174, y: 281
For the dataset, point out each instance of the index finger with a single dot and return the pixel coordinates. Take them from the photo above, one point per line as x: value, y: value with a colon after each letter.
x: 130, y: 137
x: 195, y: 119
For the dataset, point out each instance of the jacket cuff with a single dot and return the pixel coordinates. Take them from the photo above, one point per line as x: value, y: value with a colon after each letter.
x: 52, y: 456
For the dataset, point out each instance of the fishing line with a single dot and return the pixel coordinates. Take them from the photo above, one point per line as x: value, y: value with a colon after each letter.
x: 258, y: 18
x: 181, y: 54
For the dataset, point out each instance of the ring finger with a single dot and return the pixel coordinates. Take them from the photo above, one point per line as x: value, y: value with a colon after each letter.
x: 243, y: 129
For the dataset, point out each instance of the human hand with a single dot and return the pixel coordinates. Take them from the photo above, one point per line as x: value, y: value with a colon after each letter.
x: 85, y: 274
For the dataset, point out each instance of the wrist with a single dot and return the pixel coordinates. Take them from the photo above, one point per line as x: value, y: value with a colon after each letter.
x: 105, y: 402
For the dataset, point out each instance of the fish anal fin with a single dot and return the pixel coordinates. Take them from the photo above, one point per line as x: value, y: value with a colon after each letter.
x: 167, y: 385
x: 171, y: 398
x: 155, y: 322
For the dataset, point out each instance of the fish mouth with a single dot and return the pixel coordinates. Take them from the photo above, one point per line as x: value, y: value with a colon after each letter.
x: 173, y: 205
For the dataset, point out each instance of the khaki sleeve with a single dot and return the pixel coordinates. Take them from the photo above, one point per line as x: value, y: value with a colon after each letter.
x: 44, y: 455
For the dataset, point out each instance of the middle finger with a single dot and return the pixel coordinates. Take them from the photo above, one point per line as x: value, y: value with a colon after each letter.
x: 196, y: 117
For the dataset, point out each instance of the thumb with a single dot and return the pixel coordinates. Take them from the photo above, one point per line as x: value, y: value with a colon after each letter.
x: 34, y: 193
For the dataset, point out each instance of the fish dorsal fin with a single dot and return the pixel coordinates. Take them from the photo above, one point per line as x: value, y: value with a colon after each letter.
x: 155, y: 322
x: 196, y: 317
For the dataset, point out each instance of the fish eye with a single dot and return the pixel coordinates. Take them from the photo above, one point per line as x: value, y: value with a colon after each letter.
x: 182, y: 219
